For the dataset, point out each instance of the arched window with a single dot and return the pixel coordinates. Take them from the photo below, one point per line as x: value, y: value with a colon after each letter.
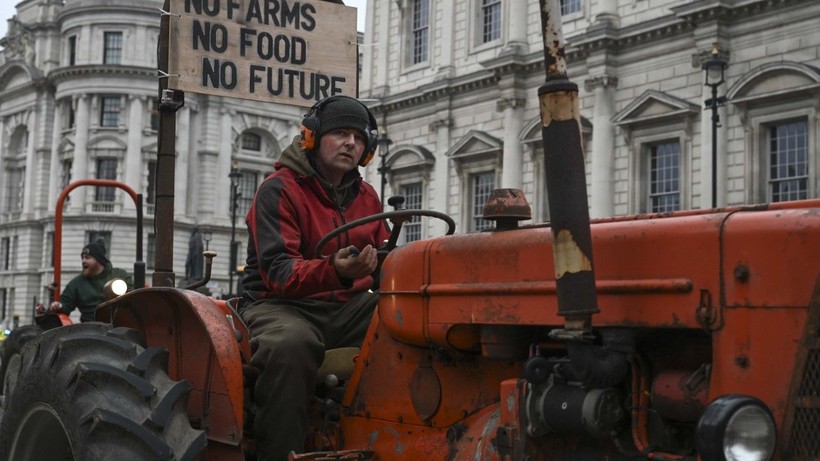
x: 777, y: 104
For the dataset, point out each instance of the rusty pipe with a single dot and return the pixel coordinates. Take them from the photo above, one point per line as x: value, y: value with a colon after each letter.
x: 209, y: 262
x: 554, y: 57
x: 566, y: 181
x: 595, y: 365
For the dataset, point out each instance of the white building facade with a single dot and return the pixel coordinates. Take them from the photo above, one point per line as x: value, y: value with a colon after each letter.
x: 455, y: 86
x: 78, y: 89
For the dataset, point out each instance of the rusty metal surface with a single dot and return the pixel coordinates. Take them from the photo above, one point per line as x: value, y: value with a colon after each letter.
x: 463, y: 284
x: 551, y: 31
x: 425, y: 391
x: 679, y: 395
x: 507, y: 205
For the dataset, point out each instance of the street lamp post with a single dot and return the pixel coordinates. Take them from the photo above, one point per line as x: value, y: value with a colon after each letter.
x: 714, y: 68
x: 206, y: 237
x: 384, y: 150
x: 235, y: 175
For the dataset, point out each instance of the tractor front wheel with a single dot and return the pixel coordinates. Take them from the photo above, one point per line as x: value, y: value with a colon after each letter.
x: 92, y: 391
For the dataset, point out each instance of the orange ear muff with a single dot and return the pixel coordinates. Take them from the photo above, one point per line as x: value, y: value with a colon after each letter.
x: 308, y: 138
x: 367, y: 156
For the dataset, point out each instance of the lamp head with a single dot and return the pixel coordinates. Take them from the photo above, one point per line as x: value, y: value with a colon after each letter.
x: 715, y: 67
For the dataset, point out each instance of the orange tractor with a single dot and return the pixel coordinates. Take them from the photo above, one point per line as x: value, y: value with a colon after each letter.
x: 692, y: 335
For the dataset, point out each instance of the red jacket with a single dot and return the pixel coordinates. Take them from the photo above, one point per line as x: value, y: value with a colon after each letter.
x: 291, y: 211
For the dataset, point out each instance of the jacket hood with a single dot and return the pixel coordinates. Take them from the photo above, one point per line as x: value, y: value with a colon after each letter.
x: 296, y: 159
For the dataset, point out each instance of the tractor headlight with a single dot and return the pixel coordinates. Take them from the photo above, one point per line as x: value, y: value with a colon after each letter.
x: 736, y: 428
x: 115, y: 287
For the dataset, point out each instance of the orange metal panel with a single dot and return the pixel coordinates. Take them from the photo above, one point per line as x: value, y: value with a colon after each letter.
x: 754, y: 355
x: 771, y: 258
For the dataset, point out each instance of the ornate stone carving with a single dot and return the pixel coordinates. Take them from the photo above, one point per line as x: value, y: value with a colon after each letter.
x: 604, y: 81
x: 512, y: 103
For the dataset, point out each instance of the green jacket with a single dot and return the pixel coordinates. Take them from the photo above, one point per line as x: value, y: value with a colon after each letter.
x: 86, y: 293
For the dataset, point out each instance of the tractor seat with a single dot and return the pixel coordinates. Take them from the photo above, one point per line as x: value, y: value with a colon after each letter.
x: 339, y: 362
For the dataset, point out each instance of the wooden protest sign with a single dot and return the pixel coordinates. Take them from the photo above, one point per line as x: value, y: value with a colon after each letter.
x: 284, y: 51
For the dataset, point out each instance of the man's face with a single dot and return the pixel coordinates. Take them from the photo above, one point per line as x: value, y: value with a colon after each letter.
x: 91, y: 266
x: 339, y: 152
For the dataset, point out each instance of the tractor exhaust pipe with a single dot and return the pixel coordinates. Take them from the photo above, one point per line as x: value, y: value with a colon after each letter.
x: 569, y: 211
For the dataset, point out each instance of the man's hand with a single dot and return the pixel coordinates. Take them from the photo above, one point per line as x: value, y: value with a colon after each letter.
x: 351, y: 263
x: 55, y: 306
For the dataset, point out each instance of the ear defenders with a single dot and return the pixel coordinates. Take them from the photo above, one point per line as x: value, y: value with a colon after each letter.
x: 310, y: 126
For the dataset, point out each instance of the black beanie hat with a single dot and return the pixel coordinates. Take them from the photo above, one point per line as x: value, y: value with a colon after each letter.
x: 96, y: 251
x: 344, y: 113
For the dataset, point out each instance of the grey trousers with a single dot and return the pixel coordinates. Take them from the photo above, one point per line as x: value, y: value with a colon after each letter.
x: 288, y: 342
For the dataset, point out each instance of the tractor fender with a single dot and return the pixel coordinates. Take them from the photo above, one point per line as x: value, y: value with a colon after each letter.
x: 205, y: 341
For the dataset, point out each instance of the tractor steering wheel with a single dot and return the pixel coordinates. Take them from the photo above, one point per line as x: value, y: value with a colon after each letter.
x: 397, y: 218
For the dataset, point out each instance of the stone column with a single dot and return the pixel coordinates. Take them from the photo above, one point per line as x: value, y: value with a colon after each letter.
x: 445, y: 60
x: 133, y: 173
x: 513, y: 109
x: 517, y: 27
x: 441, y: 172
x: 79, y: 165
x: 183, y: 154
x: 54, y: 184
x: 381, y: 48
x: 31, y: 164
x: 603, y: 145
x: 607, y: 12
x: 3, y: 174
x: 223, y: 166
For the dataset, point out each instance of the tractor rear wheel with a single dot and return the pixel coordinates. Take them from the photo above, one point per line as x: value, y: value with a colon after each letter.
x: 92, y: 391
x: 12, y: 346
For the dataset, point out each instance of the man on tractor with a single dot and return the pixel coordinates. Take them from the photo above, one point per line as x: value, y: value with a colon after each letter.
x: 86, y: 290
x: 298, y: 303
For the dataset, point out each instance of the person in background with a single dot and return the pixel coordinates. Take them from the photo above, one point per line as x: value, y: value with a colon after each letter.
x: 85, y: 291
x: 298, y: 303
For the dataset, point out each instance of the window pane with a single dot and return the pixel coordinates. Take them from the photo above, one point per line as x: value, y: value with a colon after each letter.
x: 151, y: 251
x: 65, y: 173
x: 113, y: 48
x: 106, y: 169
x: 491, y: 20
x: 110, y: 111
x: 248, y: 182
x: 412, y: 196
x: 421, y: 30
x: 664, y: 177
x: 15, y: 184
x: 5, y: 253
x: 570, y: 7
x: 251, y: 141
x: 3, y: 303
x: 482, y: 185
x: 150, y: 192
x: 154, y: 110
x: 788, y: 161
x: 72, y: 50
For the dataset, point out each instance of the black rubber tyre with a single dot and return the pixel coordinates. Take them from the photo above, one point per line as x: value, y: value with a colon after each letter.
x: 10, y: 365
x: 92, y: 392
